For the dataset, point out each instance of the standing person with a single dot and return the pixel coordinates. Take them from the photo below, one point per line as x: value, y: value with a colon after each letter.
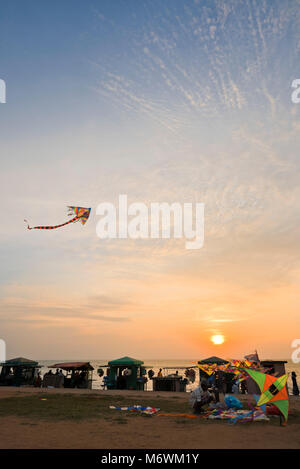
x: 219, y: 381
x: 38, y: 380
x: 295, y: 385
x: 236, y: 387
x: 62, y: 378
x: 126, y: 378
x: 75, y: 379
x: 159, y: 374
x: 229, y: 382
x: 199, y: 397
x: 244, y: 386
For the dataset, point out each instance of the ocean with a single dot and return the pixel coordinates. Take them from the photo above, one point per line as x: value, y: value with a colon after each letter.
x: 155, y: 364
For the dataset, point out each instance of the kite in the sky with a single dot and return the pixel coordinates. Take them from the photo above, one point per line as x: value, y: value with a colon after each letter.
x: 273, y: 390
x: 81, y: 214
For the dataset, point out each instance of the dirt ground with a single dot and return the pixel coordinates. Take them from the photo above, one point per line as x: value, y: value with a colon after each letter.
x: 114, y: 429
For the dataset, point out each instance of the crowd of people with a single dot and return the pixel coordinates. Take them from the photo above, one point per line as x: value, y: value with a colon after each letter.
x: 76, y: 379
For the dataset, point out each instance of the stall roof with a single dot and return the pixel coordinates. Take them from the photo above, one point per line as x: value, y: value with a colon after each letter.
x: 217, y: 360
x: 20, y: 361
x: 73, y: 366
x: 125, y: 361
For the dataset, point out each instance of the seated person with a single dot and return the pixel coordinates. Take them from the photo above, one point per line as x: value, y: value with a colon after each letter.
x: 200, y: 397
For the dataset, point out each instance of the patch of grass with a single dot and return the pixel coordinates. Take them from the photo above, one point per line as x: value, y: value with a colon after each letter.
x: 56, y: 407
x: 80, y: 406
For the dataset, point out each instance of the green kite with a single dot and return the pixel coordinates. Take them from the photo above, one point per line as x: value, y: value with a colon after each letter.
x: 273, y: 390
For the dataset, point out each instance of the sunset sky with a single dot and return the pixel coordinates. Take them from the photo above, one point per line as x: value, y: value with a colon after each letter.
x: 165, y: 101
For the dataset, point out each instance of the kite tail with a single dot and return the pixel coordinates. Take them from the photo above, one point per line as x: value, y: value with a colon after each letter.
x: 74, y: 220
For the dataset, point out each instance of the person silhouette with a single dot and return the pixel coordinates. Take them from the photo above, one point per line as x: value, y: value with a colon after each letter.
x: 295, y: 385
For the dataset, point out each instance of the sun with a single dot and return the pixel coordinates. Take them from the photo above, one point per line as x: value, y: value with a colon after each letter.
x: 217, y: 339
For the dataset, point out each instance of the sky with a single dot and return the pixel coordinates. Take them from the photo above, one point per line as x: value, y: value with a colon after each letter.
x: 165, y: 101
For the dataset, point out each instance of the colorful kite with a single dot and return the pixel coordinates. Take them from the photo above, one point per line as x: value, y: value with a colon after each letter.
x: 81, y: 214
x: 273, y: 390
x: 208, y: 369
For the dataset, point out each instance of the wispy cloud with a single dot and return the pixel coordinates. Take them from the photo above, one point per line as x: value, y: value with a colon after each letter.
x: 25, y: 310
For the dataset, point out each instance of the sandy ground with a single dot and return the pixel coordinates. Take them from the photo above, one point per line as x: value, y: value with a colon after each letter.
x: 142, y: 432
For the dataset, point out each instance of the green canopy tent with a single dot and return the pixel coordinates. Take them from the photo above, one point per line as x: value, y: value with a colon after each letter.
x: 18, y: 371
x: 126, y: 373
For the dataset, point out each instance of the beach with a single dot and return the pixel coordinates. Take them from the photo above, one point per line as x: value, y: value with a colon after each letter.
x: 76, y: 418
